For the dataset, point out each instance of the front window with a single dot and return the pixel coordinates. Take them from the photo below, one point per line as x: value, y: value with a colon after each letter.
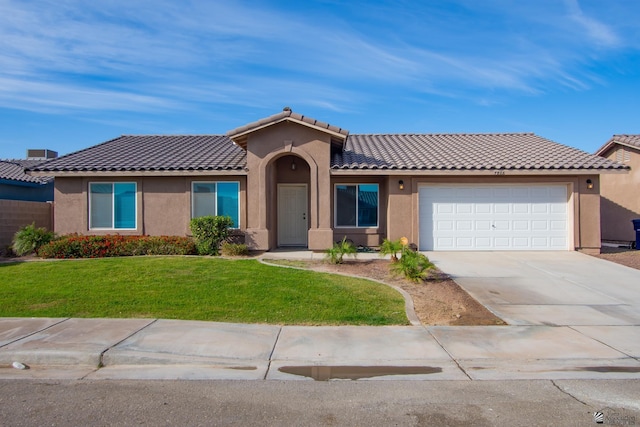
x: 216, y: 199
x: 112, y: 205
x: 356, y: 205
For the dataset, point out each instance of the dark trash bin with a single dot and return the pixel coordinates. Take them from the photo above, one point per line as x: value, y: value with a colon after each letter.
x: 636, y: 226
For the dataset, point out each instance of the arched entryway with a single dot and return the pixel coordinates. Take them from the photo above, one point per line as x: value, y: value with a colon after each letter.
x: 292, y: 180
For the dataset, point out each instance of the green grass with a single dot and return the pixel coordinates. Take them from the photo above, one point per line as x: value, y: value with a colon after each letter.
x: 193, y: 288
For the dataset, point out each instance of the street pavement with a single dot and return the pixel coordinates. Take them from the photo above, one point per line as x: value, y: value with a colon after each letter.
x: 571, y: 317
x: 331, y: 403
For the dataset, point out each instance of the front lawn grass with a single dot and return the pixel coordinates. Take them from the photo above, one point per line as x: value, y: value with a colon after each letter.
x: 193, y: 288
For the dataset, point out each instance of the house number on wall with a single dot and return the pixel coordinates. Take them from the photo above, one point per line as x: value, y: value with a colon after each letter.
x: 498, y: 172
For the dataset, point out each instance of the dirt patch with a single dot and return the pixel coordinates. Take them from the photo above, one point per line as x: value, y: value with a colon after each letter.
x: 624, y: 256
x: 437, y: 301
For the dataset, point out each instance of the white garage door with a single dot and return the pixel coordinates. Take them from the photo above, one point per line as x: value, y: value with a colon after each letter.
x: 493, y: 217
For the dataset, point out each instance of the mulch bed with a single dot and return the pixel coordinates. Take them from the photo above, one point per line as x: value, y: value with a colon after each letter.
x: 437, y: 301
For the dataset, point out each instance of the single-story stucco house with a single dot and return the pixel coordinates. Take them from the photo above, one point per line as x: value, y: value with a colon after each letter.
x: 290, y: 180
x: 24, y: 199
x: 15, y: 184
x: 620, y: 194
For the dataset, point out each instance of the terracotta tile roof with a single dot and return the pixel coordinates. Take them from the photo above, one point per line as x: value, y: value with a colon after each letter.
x: 520, y: 151
x: 153, y: 153
x: 628, y: 140
x: 424, y: 152
x: 13, y: 170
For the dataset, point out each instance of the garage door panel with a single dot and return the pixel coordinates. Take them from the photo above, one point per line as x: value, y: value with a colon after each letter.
x: 539, y: 242
x: 501, y: 225
x: 464, y: 243
x: 501, y: 208
x: 502, y: 242
x: 445, y: 208
x: 539, y: 225
x: 444, y: 225
x: 521, y: 242
x: 482, y: 243
x: 483, y: 208
x: 464, y: 208
x: 445, y: 243
x: 483, y: 225
x: 540, y: 208
x: 521, y: 225
x: 521, y: 208
x: 501, y: 217
x: 464, y: 225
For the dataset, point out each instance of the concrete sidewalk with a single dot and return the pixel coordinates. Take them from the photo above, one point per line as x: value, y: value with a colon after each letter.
x: 173, y: 349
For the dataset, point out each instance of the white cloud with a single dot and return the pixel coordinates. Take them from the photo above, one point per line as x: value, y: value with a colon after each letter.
x: 600, y: 33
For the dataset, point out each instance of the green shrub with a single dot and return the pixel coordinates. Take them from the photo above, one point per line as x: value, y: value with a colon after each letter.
x: 77, y: 246
x: 234, y: 249
x: 391, y: 247
x: 413, y: 265
x: 209, y: 232
x: 336, y: 254
x: 29, y: 239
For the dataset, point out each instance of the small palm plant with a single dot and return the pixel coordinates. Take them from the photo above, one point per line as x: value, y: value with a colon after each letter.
x: 30, y: 238
x: 336, y: 254
x: 413, y: 265
x: 391, y: 247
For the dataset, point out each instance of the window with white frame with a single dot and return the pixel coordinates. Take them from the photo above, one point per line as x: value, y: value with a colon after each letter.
x: 112, y: 205
x: 356, y: 205
x: 221, y: 198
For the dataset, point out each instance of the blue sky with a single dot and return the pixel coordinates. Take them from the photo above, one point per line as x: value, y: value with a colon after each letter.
x: 74, y: 73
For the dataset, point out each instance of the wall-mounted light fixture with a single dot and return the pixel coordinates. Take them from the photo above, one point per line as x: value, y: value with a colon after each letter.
x: 293, y: 164
x: 401, y: 184
x: 590, y: 184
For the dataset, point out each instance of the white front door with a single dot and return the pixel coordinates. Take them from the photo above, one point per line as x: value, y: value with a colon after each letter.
x: 292, y: 215
x: 494, y: 217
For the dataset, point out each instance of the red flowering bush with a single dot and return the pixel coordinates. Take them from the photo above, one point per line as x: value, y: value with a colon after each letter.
x: 78, y: 246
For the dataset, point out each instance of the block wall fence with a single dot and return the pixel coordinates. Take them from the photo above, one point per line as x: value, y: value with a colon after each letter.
x: 16, y: 213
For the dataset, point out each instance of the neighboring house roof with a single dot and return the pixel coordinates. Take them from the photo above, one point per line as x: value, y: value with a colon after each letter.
x: 153, y: 153
x: 417, y: 152
x: 13, y: 170
x: 626, y: 140
x: 518, y: 151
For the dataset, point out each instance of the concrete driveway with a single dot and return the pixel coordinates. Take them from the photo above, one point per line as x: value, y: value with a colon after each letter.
x: 564, y: 309
x: 547, y: 288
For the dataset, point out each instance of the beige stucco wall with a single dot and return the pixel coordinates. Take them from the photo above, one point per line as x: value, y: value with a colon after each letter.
x: 163, y: 204
x: 15, y: 214
x: 621, y: 199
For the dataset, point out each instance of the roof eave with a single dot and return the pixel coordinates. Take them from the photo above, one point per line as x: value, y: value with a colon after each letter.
x: 484, y: 172
x: 240, y: 138
x: 85, y: 173
x: 19, y: 183
x: 609, y: 145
